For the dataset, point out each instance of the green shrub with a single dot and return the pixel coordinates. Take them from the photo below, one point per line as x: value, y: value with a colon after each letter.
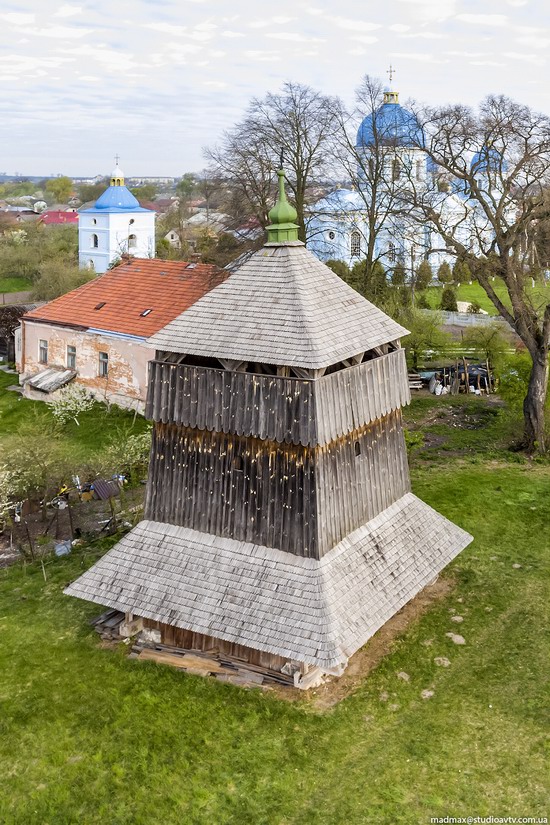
x: 448, y: 300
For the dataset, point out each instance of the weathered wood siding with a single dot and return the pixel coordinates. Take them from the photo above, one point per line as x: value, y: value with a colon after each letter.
x: 187, y: 640
x: 292, y: 410
x: 357, y: 477
x: 349, y: 399
x: 245, y: 488
x: 298, y: 499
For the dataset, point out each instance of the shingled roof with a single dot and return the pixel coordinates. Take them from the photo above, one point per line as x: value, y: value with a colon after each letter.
x: 118, y: 300
x: 282, y: 306
x: 319, y: 612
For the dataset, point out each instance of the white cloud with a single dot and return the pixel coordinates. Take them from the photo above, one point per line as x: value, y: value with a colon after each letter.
x: 365, y: 38
x: 425, y: 36
x: 263, y: 56
x: 421, y: 57
x: 526, y: 56
x: 229, y: 33
x: 18, y: 19
x: 60, y: 32
x: 265, y: 22
x: 399, y: 27
x: 294, y: 37
x: 485, y: 63
x: 483, y: 19
x: 166, y: 28
x: 68, y: 11
x: 467, y: 54
x: 354, y: 25
x: 535, y: 42
x: 431, y: 10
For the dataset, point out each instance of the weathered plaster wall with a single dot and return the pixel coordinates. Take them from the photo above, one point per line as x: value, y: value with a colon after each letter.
x: 126, y: 382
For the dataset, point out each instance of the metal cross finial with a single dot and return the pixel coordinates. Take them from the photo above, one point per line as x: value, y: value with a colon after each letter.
x: 391, y: 72
x: 117, y: 159
x: 282, y: 158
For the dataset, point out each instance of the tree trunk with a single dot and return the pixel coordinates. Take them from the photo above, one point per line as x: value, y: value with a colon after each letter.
x: 534, y: 405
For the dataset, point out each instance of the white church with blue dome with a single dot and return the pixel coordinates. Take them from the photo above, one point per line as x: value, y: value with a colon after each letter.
x: 337, y: 225
x: 115, y: 226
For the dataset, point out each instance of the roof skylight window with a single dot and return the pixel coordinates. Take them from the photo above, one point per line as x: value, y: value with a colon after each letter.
x: 145, y: 313
x: 100, y: 305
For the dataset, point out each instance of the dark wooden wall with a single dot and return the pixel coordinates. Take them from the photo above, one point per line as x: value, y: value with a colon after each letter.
x: 245, y: 488
x: 293, y: 410
x: 299, y: 499
x: 187, y: 640
x: 357, y: 477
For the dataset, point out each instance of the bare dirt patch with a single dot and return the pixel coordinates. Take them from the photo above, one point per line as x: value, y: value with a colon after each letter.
x: 335, y: 689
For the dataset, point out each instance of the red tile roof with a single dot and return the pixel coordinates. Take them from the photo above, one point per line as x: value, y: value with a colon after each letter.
x: 167, y: 288
x: 57, y: 216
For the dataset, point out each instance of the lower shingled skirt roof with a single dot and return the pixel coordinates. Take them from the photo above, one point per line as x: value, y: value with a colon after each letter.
x: 318, y: 612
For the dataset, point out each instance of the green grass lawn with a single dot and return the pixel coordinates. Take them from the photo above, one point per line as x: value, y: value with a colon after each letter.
x: 15, y: 285
x: 540, y: 295
x: 96, y: 428
x: 88, y: 736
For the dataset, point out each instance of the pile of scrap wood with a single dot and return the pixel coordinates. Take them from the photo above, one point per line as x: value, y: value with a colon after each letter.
x: 224, y: 668
x: 415, y: 381
x: 108, y: 625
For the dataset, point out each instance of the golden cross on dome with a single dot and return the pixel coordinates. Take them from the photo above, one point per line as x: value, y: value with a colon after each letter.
x: 391, y: 72
x: 117, y: 159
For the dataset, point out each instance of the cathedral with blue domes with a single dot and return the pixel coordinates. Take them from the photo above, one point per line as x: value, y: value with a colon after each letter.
x: 392, y: 138
x: 115, y: 226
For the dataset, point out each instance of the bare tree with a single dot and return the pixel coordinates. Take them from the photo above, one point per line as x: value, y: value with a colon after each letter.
x: 377, y: 162
x: 484, y: 204
x: 298, y: 123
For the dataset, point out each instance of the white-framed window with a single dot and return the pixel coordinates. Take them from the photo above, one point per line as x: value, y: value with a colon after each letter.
x: 94, y: 221
x: 331, y: 235
x: 419, y: 169
x: 103, y: 364
x: 71, y: 357
x: 94, y: 241
x: 43, y: 351
x: 355, y: 244
x: 132, y: 241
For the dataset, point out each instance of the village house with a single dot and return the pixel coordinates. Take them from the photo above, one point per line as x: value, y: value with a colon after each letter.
x: 95, y: 335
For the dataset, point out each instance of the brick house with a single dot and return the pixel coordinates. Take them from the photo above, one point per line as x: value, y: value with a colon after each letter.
x: 96, y: 334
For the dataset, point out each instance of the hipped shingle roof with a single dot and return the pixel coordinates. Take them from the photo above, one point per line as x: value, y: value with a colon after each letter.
x: 319, y: 612
x: 282, y: 306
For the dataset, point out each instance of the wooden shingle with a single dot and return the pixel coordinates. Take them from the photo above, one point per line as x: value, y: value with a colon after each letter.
x: 284, y: 307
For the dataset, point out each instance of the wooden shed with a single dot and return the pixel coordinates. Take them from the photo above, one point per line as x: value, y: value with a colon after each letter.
x: 280, y: 528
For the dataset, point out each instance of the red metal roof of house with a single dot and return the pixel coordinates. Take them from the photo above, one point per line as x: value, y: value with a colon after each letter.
x: 57, y: 216
x: 117, y: 300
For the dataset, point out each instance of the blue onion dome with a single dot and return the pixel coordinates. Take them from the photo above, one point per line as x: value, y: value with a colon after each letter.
x: 394, y: 125
x: 488, y: 159
x: 117, y: 197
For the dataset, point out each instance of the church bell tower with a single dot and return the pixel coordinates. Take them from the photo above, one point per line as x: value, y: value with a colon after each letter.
x: 116, y: 226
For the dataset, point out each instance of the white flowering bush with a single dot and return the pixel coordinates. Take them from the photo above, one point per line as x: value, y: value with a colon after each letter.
x: 127, y: 454
x: 70, y: 403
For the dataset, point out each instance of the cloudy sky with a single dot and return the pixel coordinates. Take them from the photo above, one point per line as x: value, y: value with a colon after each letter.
x: 156, y: 80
